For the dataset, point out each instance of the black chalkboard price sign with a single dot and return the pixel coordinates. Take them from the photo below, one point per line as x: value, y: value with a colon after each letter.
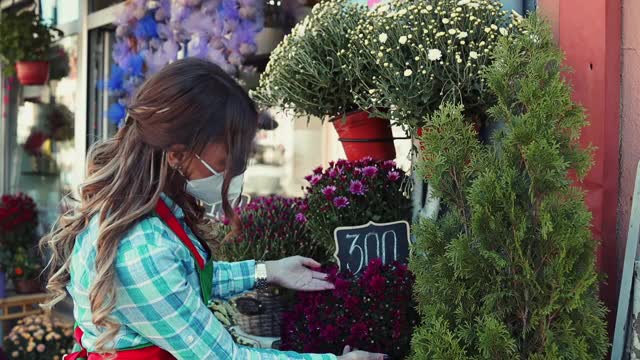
x: 357, y: 245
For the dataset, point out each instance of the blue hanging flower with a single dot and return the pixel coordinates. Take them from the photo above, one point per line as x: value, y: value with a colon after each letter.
x: 116, y: 113
x: 136, y: 65
x: 146, y: 28
x: 116, y: 79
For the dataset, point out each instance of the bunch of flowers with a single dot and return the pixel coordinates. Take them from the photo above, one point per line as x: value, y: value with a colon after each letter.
x: 373, y: 312
x: 354, y: 193
x: 305, y: 72
x: 425, y: 53
x: 273, y: 227
x: 18, y: 221
x: 25, y: 264
x: 39, y: 337
x: 151, y: 33
x: 34, y: 143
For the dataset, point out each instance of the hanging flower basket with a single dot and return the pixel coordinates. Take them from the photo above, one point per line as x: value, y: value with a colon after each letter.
x: 362, y: 136
x: 33, y: 72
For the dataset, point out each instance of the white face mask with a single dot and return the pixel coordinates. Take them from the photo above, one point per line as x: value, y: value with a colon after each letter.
x: 209, y: 190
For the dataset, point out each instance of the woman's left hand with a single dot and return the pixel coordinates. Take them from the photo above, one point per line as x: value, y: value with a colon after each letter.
x: 296, y: 273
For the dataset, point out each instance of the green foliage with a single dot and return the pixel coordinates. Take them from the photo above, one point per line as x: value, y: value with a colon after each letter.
x: 507, y: 271
x: 25, y: 37
x: 305, y: 72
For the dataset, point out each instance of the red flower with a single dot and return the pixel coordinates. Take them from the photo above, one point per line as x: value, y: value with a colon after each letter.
x: 330, y: 333
x: 19, y: 271
x: 359, y: 331
x: 342, y: 287
x: 352, y: 303
x: 377, y: 285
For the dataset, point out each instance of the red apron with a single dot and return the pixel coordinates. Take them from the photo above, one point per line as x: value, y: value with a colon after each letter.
x: 149, y: 351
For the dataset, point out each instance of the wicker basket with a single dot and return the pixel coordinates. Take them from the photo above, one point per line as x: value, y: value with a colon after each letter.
x: 259, y: 312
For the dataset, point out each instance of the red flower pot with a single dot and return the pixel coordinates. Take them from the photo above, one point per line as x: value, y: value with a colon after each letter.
x: 362, y: 136
x: 32, y: 72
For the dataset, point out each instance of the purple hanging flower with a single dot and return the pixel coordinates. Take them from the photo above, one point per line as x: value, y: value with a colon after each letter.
x: 357, y: 187
x: 146, y: 28
x: 329, y: 191
x: 393, y: 175
x: 116, y: 113
x: 370, y: 171
x: 341, y: 202
x: 116, y: 80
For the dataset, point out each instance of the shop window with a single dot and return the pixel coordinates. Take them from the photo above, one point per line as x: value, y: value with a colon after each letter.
x: 59, y: 11
x: 42, y: 158
x: 97, y: 5
x: 100, y: 62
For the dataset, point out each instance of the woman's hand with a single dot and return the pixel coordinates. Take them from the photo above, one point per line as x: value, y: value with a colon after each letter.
x: 347, y: 354
x: 296, y: 273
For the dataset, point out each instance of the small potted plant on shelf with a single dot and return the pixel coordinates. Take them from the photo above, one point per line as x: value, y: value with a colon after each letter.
x: 39, y: 337
x: 18, y: 222
x: 307, y: 74
x: 273, y: 227
x: 25, y: 271
x: 25, y: 46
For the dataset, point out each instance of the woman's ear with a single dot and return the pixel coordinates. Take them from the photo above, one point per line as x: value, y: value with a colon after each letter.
x: 176, y: 156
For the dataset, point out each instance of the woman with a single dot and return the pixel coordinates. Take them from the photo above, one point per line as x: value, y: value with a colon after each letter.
x: 133, y: 255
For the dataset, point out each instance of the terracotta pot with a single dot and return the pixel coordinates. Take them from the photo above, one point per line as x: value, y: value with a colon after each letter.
x: 362, y: 136
x: 29, y: 286
x: 32, y: 72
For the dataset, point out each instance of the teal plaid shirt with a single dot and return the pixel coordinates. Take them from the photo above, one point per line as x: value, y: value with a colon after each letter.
x: 158, y: 294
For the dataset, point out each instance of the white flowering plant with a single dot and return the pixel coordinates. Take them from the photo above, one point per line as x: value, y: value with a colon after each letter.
x: 305, y: 72
x: 425, y: 53
x: 39, y: 337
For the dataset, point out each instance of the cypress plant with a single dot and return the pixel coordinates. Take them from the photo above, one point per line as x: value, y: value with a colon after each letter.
x: 507, y: 270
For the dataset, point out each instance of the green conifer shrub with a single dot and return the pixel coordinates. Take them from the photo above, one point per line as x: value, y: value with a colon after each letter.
x: 507, y: 271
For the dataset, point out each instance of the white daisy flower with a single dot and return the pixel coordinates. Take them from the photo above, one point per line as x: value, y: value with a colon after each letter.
x: 434, y: 54
x: 463, y: 2
x: 445, y: 21
x: 473, y: 55
x: 383, y: 38
x: 408, y: 72
x: 504, y: 31
x: 462, y: 35
x: 403, y: 40
x: 452, y: 31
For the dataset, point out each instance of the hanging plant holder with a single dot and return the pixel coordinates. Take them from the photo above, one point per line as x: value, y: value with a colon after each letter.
x: 362, y: 136
x: 32, y: 72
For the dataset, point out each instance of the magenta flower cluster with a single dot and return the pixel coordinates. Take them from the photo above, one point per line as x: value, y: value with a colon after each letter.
x: 273, y: 227
x: 373, y: 312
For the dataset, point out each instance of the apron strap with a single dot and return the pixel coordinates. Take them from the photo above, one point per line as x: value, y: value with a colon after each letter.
x: 172, y: 222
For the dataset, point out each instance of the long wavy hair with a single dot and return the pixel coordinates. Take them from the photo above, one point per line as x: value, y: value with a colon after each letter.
x: 190, y: 103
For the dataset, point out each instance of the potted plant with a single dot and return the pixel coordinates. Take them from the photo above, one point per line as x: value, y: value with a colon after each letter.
x: 25, y: 46
x: 352, y: 193
x: 39, y: 337
x: 372, y: 312
x: 273, y: 227
x: 424, y: 53
x: 25, y: 271
x: 307, y: 74
x: 18, y: 222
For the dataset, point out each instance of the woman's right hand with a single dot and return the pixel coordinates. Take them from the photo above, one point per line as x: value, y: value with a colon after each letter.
x: 348, y: 354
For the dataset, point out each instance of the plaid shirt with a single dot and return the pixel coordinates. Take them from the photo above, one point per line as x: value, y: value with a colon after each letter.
x: 158, y: 294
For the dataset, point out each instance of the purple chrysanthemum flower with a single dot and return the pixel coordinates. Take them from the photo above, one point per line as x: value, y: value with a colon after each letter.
x: 333, y: 173
x: 370, y: 171
x: 357, y: 187
x: 301, y: 218
x: 393, y: 175
x: 315, y: 179
x: 341, y: 202
x: 328, y: 191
